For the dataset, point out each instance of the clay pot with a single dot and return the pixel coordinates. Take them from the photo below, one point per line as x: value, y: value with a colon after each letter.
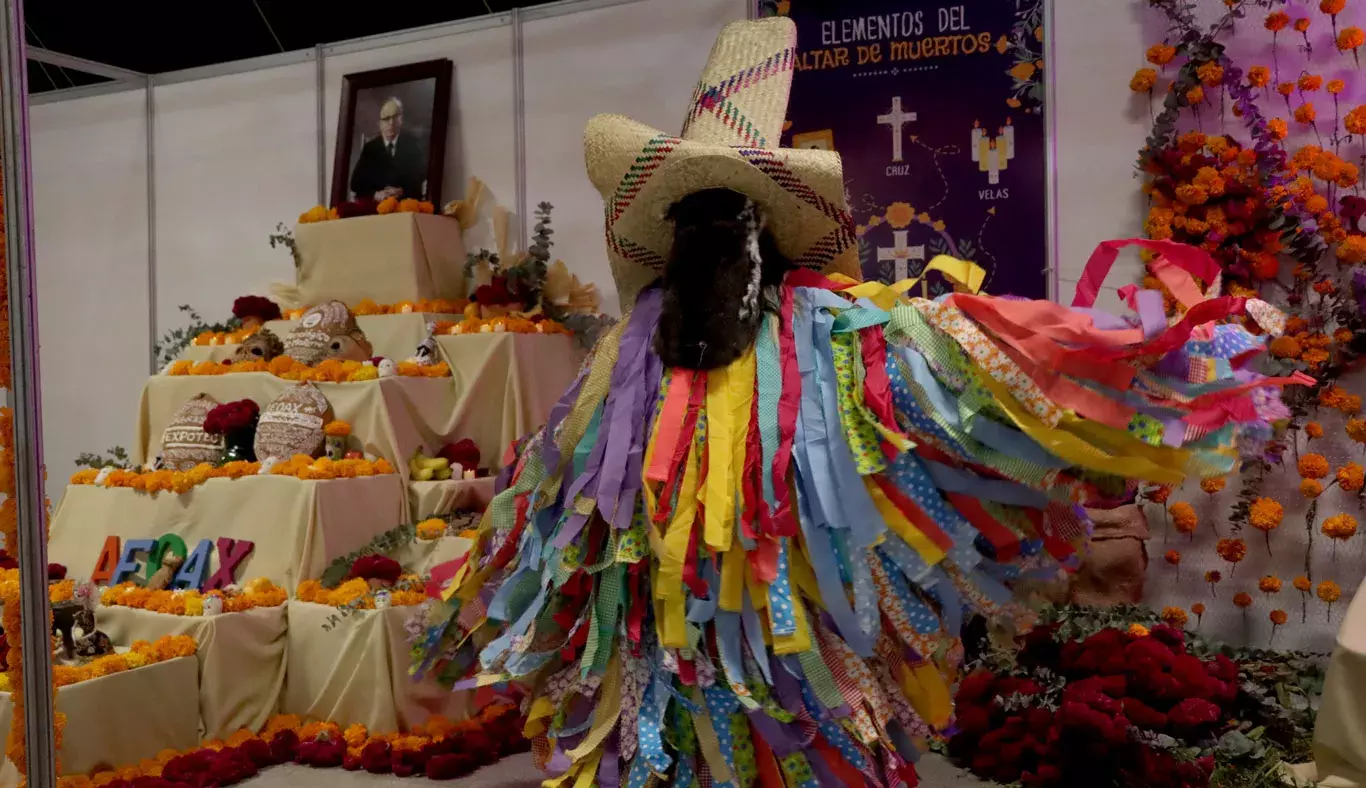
x: 1116, y: 561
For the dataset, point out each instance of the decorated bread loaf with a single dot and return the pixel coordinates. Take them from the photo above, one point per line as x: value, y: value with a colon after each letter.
x: 184, y: 443
x: 293, y: 423
x: 327, y: 331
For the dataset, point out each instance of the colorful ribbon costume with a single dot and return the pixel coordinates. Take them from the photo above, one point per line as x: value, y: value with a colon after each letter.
x: 757, y: 575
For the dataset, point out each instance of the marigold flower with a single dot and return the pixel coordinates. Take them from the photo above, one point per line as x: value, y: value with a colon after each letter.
x: 1173, y: 557
x: 1305, y: 113
x: 1213, y: 576
x: 1313, y: 466
x: 1314, y: 430
x: 1302, y: 583
x: 1285, y: 347
x: 1162, y: 54
x: 1328, y: 591
x: 1231, y: 550
x: 1175, y: 616
x: 1276, y: 21
x: 1210, y: 74
x: 1340, y: 526
x: 1242, y: 600
x: 900, y: 215
x: 1198, y: 608
x: 1195, y: 95
x: 1277, y: 128
x: 1266, y: 514
x: 1311, y: 488
x: 1351, y: 38
x: 1143, y: 81
x: 1214, y: 485
x: 1285, y: 88
x: 1278, y: 618
x: 1309, y: 82
x: 1183, y: 517
x: 1138, y: 630
x: 1302, y: 24
x: 1269, y: 585
x: 1159, y: 494
x: 1351, y: 477
x: 1332, y: 7
x: 1336, y: 86
x: 1259, y: 76
x: 1352, y: 250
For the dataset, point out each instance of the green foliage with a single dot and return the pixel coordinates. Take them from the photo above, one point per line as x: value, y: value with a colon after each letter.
x: 284, y: 236
x: 384, y: 544
x: 118, y: 459
x: 177, y: 339
x: 527, y: 278
x: 473, y: 259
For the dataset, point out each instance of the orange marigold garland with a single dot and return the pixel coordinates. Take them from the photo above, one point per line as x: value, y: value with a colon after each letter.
x: 300, y: 466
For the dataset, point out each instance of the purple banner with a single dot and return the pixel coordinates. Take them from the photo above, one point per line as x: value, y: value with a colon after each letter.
x: 937, y: 111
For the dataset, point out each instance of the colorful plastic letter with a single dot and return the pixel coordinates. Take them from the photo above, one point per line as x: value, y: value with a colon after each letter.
x: 128, y: 562
x: 230, y: 553
x: 109, y: 559
x: 167, y: 543
x: 195, y: 570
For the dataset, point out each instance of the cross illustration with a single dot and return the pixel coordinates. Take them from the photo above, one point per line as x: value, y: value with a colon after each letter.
x: 899, y: 253
x: 897, y: 120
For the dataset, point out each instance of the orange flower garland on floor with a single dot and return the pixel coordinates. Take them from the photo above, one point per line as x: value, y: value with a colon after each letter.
x: 257, y: 593
x: 300, y: 466
x: 439, y: 748
x: 330, y: 371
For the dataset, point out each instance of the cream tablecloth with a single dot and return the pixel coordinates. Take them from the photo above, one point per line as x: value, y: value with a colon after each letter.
x: 354, y: 668
x: 393, y: 258
x: 121, y: 719
x: 1340, y: 731
x: 419, y: 556
x: 298, y: 526
x: 433, y: 499
x: 392, y: 336
x: 241, y: 660
x: 503, y: 386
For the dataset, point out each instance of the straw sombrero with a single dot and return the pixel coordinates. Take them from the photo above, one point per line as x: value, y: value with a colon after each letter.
x: 730, y: 140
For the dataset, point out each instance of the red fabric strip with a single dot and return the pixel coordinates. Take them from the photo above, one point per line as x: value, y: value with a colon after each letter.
x: 805, y: 277
x: 670, y: 424
x: 877, y: 386
x: 770, y: 776
x: 789, y: 402
x: 914, y: 513
x: 675, y: 477
x: 1006, y: 543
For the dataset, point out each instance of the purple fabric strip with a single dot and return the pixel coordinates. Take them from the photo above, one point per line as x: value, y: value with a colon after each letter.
x: 824, y: 775
x: 644, y: 419
x: 581, y: 486
x: 782, y: 738
x: 626, y: 410
x: 1104, y: 320
x: 1148, y: 304
x: 550, y: 453
x: 609, y: 769
x: 786, y: 686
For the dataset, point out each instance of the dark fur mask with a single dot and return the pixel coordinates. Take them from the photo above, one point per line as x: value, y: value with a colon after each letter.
x: 722, y: 275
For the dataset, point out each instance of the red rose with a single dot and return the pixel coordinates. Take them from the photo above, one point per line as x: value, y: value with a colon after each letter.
x: 1193, y: 714
x: 496, y: 293
x: 259, y: 307
x: 258, y: 752
x: 284, y: 746
x: 323, y: 754
x: 152, y: 782
x: 977, y: 687
x: 7, y: 561
x: 1171, y: 636
x: 450, y: 766
x: 351, y: 763
x: 376, y: 567
x: 374, y: 757
x: 230, y: 766
x: 1222, y: 668
x: 55, y: 573
x: 231, y: 416
x: 406, y: 763
x: 1143, y: 715
x: 365, y: 206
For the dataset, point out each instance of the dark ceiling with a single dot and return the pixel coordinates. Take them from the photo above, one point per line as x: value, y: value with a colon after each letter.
x: 155, y: 36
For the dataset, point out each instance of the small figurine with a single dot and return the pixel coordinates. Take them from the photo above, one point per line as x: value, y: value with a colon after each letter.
x: 427, y: 352
x: 170, y: 564
x: 213, y: 605
x: 387, y: 368
x: 92, y: 643
x: 102, y: 475
x: 382, y: 599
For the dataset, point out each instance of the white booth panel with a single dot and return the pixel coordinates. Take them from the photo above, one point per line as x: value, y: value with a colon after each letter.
x: 90, y: 208
x: 640, y: 59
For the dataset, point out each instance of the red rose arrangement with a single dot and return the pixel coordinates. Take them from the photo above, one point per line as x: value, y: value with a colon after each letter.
x: 1087, y: 712
x: 231, y: 417
x: 376, y: 567
x: 464, y: 451
x: 255, y: 308
x: 496, y: 293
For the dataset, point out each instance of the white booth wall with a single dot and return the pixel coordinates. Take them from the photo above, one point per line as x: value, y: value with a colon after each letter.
x: 235, y: 155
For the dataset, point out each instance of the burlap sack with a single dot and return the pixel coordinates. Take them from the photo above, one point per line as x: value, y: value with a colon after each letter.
x: 1116, y: 562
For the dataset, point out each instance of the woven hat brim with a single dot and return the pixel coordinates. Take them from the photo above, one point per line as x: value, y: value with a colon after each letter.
x: 642, y: 172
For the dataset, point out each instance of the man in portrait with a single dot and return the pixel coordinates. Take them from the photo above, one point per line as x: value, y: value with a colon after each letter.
x: 394, y: 164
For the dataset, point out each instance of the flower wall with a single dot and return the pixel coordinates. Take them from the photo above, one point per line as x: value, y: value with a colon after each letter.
x: 1257, y: 155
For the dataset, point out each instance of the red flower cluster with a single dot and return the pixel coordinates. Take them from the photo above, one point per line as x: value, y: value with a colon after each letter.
x: 259, y: 307
x: 56, y: 572
x: 376, y: 567
x: 471, y: 746
x: 362, y: 207
x: 496, y: 293
x: 1116, y: 682
x: 464, y: 451
x: 231, y: 416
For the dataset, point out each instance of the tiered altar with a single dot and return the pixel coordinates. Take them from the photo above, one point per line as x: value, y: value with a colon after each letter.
x: 294, y: 559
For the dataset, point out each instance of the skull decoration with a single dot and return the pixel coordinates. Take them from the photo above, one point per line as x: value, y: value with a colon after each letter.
x: 382, y: 599
x: 327, y: 331
x: 213, y: 605
x: 261, y: 346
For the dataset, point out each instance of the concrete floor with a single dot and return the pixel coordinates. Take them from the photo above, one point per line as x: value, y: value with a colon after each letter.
x: 518, y: 772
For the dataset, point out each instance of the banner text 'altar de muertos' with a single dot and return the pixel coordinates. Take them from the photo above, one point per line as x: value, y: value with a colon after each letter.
x: 937, y: 112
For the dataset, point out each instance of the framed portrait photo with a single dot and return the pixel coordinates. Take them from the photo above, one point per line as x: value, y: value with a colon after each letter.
x: 391, y: 137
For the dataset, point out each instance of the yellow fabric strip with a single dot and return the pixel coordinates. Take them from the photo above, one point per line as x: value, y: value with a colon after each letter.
x: 733, y: 580
x: 680, y: 529
x: 927, y: 693
x: 541, y: 711
x: 803, y: 575
x: 730, y: 393
x: 1074, y: 450
x: 928, y: 550
x: 798, y: 641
